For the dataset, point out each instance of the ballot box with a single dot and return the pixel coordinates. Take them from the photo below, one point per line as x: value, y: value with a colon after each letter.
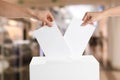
x: 64, y: 60
x: 83, y: 68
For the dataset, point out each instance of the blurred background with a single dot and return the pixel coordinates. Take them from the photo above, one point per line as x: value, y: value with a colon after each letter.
x: 18, y: 46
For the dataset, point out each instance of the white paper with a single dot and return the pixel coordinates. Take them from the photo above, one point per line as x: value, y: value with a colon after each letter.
x: 84, y: 68
x: 77, y: 36
x: 72, y: 44
x: 52, y: 42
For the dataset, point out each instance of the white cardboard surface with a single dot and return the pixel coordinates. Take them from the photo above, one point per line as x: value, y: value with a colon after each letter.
x: 52, y: 42
x: 77, y: 36
x: 84, y: 68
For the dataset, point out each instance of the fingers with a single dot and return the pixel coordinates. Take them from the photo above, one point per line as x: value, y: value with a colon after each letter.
x: 46, y: 22
x: 43, y: 23
x: 87, y: 22
x: 50, y: 17
x: 45, y: 16
x: 91, y: 23
x: 87, y: 19
x: 49, y: 23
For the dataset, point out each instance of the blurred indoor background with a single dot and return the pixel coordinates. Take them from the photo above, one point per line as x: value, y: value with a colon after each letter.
x: 18, y: 46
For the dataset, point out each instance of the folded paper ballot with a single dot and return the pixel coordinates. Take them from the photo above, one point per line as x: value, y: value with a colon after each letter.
x: 64, y: 60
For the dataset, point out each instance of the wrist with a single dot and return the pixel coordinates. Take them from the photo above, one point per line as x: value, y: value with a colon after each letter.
x: 106, y: 13
x: 34, y: 14
x: 31, y: 13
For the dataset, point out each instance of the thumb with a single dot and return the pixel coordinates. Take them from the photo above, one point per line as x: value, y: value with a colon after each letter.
x: 48, y: 22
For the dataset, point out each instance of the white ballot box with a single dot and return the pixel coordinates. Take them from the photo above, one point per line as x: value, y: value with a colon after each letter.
x: 83, y: 68
x: 64, y: 60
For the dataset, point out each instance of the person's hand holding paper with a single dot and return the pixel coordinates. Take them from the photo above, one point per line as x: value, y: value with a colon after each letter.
x: 77, y: 37
x: 73, y: 43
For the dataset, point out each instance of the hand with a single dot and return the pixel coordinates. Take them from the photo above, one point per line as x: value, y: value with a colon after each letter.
x: 91, y: 17
x: 44, y: 16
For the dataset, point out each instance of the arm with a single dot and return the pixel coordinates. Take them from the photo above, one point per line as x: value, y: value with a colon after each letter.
x: 14, y: 11
x: 112, y: 12
x: 91, y: 17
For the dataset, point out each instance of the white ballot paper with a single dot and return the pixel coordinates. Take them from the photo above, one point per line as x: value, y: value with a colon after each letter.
x: 77, y: 36
x: 64, y: 60
x: 52, y: 42
x: 72, y: 44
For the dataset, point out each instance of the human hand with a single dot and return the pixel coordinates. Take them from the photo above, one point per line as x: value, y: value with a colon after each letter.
x: 91, y: 17
x: 44, y: 16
